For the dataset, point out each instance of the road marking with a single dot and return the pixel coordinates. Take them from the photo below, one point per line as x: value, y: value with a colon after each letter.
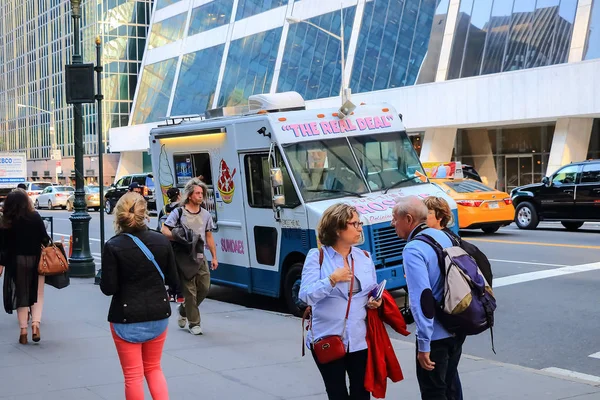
x: 595, y: 355
x: 573, y: 246
x: 65, y: 235
x: 548, y: 273
x: 573, y: 374
x: 528, y: 262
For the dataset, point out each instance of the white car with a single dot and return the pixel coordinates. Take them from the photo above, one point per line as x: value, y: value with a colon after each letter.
x: 34, y: 189
x: 54, y: 196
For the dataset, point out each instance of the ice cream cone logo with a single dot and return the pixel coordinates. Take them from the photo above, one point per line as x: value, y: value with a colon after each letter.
x: 165, y: 174
x: 226, y: 185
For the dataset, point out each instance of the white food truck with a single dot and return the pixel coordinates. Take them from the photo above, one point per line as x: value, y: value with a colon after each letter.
x: 273, y: 171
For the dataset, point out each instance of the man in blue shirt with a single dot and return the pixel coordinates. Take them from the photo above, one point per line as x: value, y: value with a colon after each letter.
x: 438, y: 351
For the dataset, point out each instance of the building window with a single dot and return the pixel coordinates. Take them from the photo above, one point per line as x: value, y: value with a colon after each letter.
x: 247, y: 8
x: 392, y: 43
x: 504, y: 35
x: 155, y: 89
x: 165, y: 3
x: 250, y: 66
x: 209, y: 16
x: 258, y: 181
x: 197, y: 81
x: 167, y: 31
x: 592, y: 47
x: 311, y: 60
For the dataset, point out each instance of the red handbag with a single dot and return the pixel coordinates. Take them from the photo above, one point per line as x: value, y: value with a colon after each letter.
x: 329, y: 348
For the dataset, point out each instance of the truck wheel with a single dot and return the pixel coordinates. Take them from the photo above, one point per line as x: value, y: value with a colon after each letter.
x: 490, y: 229
x: 108, y: 207
x: 291, y: 289
x: 526, y: 216
x: 571, y: 226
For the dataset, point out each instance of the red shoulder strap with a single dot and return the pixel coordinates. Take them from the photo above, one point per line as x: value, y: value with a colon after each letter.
x: 320, y: 257
x: 366, y: 253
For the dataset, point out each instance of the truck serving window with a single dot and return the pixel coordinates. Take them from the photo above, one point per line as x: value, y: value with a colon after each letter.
x: 259, y: 185
x: 196, y: 165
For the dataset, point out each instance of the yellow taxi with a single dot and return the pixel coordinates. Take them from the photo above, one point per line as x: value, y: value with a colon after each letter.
x: 479, y: 206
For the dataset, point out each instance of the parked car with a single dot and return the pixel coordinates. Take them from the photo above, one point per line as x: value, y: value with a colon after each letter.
x: 92, y: 198
x: 54, y: 196
x: 571, y: 195
x: 479, y: 206
x: 118, y: 189
x: 34, y: 189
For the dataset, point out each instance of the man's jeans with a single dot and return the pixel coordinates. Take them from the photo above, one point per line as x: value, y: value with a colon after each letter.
x: 195, y: 291
x: 437, y: 384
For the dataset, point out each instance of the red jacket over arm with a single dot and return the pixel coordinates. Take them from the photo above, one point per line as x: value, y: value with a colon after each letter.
x: 382, y: 362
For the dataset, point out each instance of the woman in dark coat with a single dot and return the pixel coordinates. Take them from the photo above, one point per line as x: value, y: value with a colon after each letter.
x: 23, y: 234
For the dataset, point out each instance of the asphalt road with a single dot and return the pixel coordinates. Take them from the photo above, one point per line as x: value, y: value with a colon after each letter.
x: 546, y: 284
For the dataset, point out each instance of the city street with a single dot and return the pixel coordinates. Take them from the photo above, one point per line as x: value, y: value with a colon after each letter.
x: 545, y: 281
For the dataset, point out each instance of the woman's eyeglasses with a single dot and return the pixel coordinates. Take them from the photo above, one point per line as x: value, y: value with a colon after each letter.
x: 356, y: 224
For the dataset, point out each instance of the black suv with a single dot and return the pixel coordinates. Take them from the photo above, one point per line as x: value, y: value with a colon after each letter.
x: 571, y: 195
x: 118, y: 189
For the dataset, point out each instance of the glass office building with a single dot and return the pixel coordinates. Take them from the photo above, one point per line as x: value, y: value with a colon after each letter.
x: 35, y: 44
x: 498, y: 78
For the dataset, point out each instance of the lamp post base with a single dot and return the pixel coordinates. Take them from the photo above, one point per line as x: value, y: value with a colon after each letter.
x: 81, y: 263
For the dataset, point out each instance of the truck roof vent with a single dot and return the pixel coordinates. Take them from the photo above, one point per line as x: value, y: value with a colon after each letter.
x: 274, y: 102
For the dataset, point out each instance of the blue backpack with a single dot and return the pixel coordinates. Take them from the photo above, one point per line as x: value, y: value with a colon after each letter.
x: 468, y: 303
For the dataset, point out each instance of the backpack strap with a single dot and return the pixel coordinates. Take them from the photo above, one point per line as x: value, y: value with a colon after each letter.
x: 439, y: 250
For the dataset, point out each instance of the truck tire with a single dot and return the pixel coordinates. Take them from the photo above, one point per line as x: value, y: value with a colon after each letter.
x: 571, y: 226
x: 490, y: 229
x: 526, y: 216
x: 294, y: 305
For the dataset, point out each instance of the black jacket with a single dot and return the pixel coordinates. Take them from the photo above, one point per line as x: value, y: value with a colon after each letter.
x: 138, y: 291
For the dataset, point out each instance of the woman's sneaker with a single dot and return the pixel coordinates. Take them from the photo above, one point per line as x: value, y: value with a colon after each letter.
x: 196, y: 330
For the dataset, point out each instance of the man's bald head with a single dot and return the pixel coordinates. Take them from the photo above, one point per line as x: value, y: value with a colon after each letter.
x: 408, y: 213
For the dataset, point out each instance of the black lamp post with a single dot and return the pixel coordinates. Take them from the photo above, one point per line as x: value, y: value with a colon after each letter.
x: 81, y: 261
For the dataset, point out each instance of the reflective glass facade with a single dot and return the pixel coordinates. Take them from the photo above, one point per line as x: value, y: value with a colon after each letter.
x: 167, y: 31
x: 164, y: 3
x: 36, y: 43
x: 504, y: 35
x: 592, y: 48
x: 247, y: 8
x: 197, y: 81
x: 209, y: 16
x: 249, y: 68
x: 392, y: 43
x: 155, y: 91
x: 311, y: 60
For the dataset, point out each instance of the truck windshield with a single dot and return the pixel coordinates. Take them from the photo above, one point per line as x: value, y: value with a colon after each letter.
x: 327, y: 169
x: 387, y: 160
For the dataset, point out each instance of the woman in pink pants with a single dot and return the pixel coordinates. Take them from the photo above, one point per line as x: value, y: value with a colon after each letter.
x: 137, y: 263
x: 22, y: 234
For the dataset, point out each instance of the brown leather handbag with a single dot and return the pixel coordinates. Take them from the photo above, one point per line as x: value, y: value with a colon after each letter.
x: 329, y: 348
x: 52, y: 261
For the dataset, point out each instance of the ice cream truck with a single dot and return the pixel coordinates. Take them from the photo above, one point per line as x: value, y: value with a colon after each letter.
x: 274, y: 167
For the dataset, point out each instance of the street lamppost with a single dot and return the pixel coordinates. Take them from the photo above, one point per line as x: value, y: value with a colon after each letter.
x: 81, y: 262
x: 345, y: 90
x: 54, y: 154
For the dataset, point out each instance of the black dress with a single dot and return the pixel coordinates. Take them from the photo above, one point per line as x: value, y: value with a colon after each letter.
x: 20, y: 248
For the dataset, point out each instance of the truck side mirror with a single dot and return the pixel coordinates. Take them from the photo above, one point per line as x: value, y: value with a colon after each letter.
x: 278, y: 200
x: 546, y: 181
x: 276, y: 177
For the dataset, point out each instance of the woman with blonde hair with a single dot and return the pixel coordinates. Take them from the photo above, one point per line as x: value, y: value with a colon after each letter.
x: 137, y: 263
x: 336, y: 282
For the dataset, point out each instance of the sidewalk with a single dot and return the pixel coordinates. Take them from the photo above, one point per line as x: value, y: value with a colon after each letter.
x: 244, y: 354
